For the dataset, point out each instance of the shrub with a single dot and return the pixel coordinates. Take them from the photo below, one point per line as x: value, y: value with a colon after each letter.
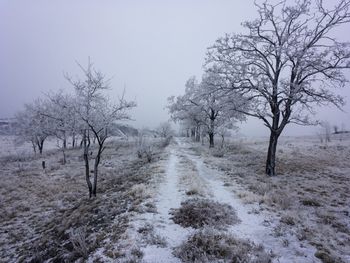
x: 279, y: 198
x: 210, y: 245
x: 310, y: 202
x: 144, y: 150
x: 218, y: 152
x: 197, y: 213
x: 78, y: 239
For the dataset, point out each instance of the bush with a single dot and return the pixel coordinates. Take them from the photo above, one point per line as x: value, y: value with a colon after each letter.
x: 278, y: 198
x: 210, y: 245
x: 218, y: 152
x: 197, y: 213
x: 78, y: 239
x: 144, y: 150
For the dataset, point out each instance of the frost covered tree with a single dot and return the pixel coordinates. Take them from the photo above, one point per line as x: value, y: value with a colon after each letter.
x: 190, y: 115
x: 64, y: 122
x: 204, y: 107
x: 96, y: 114
x: 32, y: 126
x: 286, y: 62
x: 165, y: 130
x: 216, y: 106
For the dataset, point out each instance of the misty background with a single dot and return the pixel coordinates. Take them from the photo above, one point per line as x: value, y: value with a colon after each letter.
x: 150, y: 48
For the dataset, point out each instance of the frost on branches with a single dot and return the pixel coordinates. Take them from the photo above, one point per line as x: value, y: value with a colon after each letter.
x: 286, y: 62
x: 204, y: 109
x: 97, y: 114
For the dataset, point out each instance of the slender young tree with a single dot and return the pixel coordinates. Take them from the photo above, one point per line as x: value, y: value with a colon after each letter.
x: 286, y: 62
x: 97, y: 115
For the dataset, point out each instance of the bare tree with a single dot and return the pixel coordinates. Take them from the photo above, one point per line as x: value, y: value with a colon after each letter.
x: 225, y: 131
x: 285, y: 63
x: 97, y: 114
x: 165, y: 130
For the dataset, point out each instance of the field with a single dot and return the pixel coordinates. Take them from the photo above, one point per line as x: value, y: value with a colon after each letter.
x: 185, y: 203
x: 310, y: 195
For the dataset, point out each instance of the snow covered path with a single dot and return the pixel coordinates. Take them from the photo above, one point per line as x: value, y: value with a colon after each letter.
x: 258, y: 228
x: 169, y: 197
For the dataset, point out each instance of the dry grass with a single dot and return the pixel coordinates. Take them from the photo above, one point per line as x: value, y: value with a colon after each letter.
x: 218, y: 152
x: 312, y: 184
x: 150, y: 237
x: 190, y: 181
x: 210, y: 245
x: 47, y: 214
x: 198, y: 213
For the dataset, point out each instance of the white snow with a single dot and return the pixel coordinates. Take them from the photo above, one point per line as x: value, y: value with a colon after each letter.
x: 168, y: 197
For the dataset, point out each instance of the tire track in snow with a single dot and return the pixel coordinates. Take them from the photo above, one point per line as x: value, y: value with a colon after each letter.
x: 169, y: 197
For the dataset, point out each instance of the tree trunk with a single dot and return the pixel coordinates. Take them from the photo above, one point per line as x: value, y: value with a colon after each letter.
x: 34, y: 147
x: 198, y: 135
x: 88, y: 137
x: 87, y: 168
x: 222, y: 141
x: 40, y: 146
x: 211, y: 140
x: 94, y: 188
x: 97, y: 162
x: 73, y: 140
x: 271, y: 154
x: 193, y: 132
x: 211, y: 130
x: 64, y: 156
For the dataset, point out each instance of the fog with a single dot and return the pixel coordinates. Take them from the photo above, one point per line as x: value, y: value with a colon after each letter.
x: 150, y: 48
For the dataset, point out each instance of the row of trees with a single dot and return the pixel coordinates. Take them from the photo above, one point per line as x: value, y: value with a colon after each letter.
x: 88, y: 114
x: 52, y: 116
x: 203, y: 111
x: 286, y: 62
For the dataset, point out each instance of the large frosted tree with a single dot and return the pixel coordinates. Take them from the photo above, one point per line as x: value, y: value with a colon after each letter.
x: 286, y: 62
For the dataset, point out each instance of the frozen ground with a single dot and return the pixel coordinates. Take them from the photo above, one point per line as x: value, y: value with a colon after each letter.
x: 46, y: 214
x: 302, y: 215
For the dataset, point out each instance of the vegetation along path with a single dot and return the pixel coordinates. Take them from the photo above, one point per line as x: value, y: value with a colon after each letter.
x: 199, y: 218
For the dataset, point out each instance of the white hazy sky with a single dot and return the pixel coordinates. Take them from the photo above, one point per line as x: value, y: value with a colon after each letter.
x: 149, y: 47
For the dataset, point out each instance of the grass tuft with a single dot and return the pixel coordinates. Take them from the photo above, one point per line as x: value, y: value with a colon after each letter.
x: 210, y: 245
x: 197, y: 213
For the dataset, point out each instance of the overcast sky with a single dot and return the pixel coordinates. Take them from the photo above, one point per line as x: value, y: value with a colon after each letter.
x: 149, y: 47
